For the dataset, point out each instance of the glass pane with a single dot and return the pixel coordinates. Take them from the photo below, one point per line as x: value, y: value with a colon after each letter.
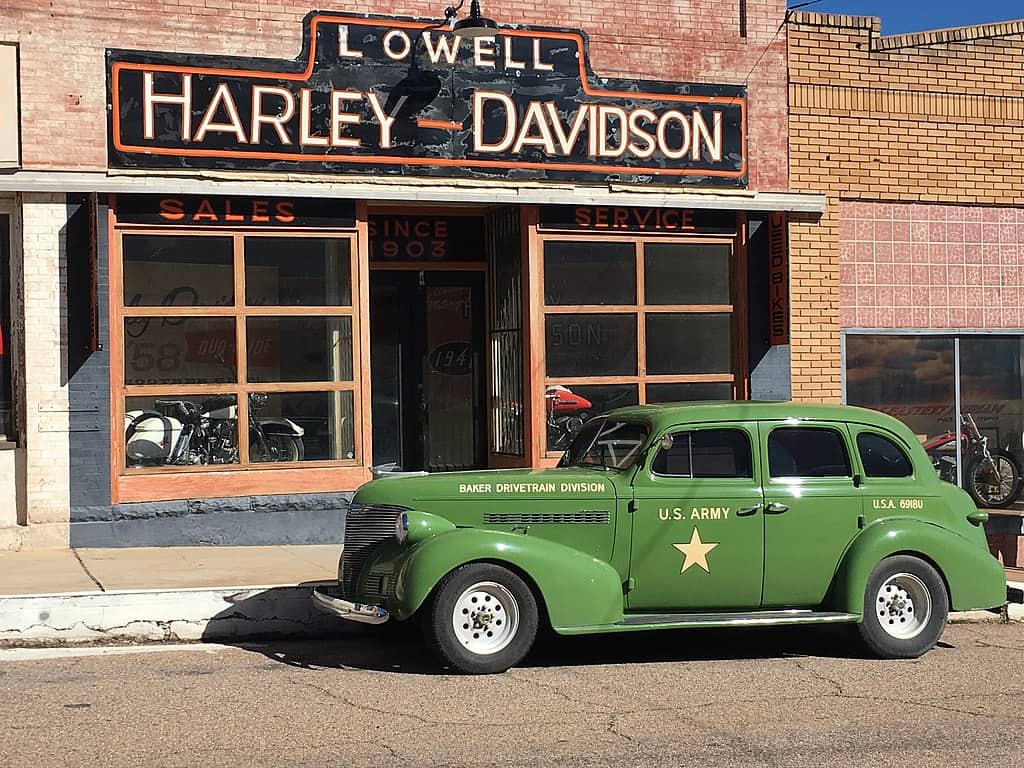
x: 589, y: 273
x: 590, y: 345
x: 909, y: 377
x: 607, y: 443
x: 706, y: 453
x: 297, y: 272
x: 179, y: 350
x: 301, y: 426
x: 991, y: 394
x: 686, y: 273
x: 180, y: 430
x: 569, y: 406
x: 299, y: 348
x: 881, y: 457
x: 801, y: 452
x: 683, y: 392
x: 177, y: 270
x: 689, y: 343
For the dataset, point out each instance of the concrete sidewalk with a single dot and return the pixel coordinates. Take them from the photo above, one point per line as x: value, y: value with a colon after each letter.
x: 182, y: 593
x: 55, y: 571
x: 164, y: 593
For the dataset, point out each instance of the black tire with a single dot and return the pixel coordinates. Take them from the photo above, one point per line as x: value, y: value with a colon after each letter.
x: 996, y: 489
x: 277, y: 447
x: 500, y: 593
x: 899, y: 589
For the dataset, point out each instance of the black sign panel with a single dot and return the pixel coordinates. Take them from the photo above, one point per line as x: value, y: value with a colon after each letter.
x: 628, y: 218
x: 405, y: 237
x: 219, y: 211
x: 396, y: 95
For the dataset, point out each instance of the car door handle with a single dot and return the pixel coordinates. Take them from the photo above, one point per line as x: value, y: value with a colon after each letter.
x: 775, y: 508
x: 746, y: 511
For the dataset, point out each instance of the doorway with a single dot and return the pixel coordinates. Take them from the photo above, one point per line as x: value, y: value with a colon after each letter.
x: 427, y: 357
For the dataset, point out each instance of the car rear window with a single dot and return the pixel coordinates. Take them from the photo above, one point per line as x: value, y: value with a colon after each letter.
x: 881, y: 457
x: 807, y: 452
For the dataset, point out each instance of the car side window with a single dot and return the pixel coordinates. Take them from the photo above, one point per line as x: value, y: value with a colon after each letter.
x: 807, y: 452
x: 882, y: 457
x: 707, y: 453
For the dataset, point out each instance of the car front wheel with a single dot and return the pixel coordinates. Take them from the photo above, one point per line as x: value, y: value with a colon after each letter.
x: 905, y: 608
x: 482, y: 620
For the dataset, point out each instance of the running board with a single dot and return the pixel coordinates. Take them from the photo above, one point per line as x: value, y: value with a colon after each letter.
x: 640, y: 621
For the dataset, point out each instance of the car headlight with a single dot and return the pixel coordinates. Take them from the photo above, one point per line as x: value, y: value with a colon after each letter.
x: 401, y: 528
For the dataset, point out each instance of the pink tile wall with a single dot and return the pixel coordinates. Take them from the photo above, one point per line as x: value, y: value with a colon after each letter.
x: 930, y: 266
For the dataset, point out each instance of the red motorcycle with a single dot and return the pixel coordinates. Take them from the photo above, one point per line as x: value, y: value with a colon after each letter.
x: 992, y: 478
x: 566, y: 412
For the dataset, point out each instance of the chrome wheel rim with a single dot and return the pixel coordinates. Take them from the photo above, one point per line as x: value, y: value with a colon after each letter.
x: 903, y: 606
x: 486, y: 618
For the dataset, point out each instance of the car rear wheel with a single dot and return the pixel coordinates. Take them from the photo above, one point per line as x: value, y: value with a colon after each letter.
x: 905, y: 608
x: 482, y: 620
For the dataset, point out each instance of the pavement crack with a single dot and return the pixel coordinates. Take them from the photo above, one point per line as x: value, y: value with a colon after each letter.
x: 819, y: 676
x: 587, y: 704
x: 88, y: 573
x: 613, y: 727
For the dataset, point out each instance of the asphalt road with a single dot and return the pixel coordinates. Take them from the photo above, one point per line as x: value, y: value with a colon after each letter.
x: 712, y: 698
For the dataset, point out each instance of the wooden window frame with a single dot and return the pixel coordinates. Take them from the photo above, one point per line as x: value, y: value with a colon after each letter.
x: 245, y: 478
x: 738, y: 378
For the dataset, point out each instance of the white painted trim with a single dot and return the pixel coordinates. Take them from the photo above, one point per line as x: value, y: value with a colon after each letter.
x: 381, y: 188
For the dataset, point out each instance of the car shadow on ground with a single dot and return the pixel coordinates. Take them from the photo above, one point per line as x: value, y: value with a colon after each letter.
x: 400, y: 649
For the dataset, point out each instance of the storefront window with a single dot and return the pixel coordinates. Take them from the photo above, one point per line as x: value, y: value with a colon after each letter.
x: 909, y: 377
x: 914, y: 377
x: 632, y: 321
x: 198, y: 362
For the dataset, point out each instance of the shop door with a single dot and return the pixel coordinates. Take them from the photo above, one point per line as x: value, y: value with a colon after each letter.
x: 426, y: 348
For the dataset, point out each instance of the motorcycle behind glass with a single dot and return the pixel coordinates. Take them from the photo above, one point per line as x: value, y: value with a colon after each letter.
x: 991, y: 477
x: 182, y: 432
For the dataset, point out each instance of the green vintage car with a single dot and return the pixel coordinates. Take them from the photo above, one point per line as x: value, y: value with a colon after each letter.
x: 669, y: 516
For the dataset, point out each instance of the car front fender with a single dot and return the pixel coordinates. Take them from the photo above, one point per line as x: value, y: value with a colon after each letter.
x: 576, y: 588
x: 973, y: 577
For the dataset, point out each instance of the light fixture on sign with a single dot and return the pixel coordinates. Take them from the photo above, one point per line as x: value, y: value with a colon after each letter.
x: 475, y: 25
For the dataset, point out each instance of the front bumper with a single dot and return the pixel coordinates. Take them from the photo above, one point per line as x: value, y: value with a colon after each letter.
x: 364, y: 614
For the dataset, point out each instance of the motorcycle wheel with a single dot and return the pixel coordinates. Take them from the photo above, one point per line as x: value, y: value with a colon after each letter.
x: 280, y: 448
x: 994, y: 488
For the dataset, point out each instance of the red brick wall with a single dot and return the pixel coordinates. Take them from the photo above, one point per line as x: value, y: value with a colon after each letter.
x: 63, y: 78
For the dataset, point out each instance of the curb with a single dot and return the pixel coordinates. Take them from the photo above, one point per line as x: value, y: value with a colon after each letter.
x: 208, y: 613
x: 217, y: 613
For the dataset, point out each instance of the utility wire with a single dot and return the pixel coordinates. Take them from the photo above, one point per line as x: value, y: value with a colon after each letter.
x: 785, y: 18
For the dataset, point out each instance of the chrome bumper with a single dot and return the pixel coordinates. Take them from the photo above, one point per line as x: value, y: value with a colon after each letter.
x: 365, y: 614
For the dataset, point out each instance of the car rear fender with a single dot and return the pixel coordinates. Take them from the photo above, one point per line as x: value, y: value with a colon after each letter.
x: 974, y: 579
x: 576, y: 588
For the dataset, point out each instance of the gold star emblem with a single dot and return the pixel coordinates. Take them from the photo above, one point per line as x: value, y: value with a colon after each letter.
x: 696, y: 552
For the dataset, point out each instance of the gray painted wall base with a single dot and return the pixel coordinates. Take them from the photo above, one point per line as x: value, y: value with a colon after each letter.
x: 241, y: 521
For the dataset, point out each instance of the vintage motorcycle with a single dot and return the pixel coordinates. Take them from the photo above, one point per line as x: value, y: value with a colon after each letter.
x: 566, y: 412
x: 180, y: 432
x: 992, y: 478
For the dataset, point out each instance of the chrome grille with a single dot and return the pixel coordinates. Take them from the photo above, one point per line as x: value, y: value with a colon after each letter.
x: 365, y: 527
x: 583, y: 517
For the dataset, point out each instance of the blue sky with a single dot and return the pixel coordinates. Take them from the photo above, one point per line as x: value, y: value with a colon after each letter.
x: 916, y: 15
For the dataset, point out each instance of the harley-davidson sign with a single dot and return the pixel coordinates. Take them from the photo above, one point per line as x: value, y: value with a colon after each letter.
x: 396, y: 95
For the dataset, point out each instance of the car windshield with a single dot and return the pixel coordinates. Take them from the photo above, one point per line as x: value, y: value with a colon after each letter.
x: 606, y: 443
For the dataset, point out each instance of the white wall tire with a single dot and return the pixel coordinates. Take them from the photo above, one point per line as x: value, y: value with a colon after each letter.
x: 482, y: 619
x: 905, y: 608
